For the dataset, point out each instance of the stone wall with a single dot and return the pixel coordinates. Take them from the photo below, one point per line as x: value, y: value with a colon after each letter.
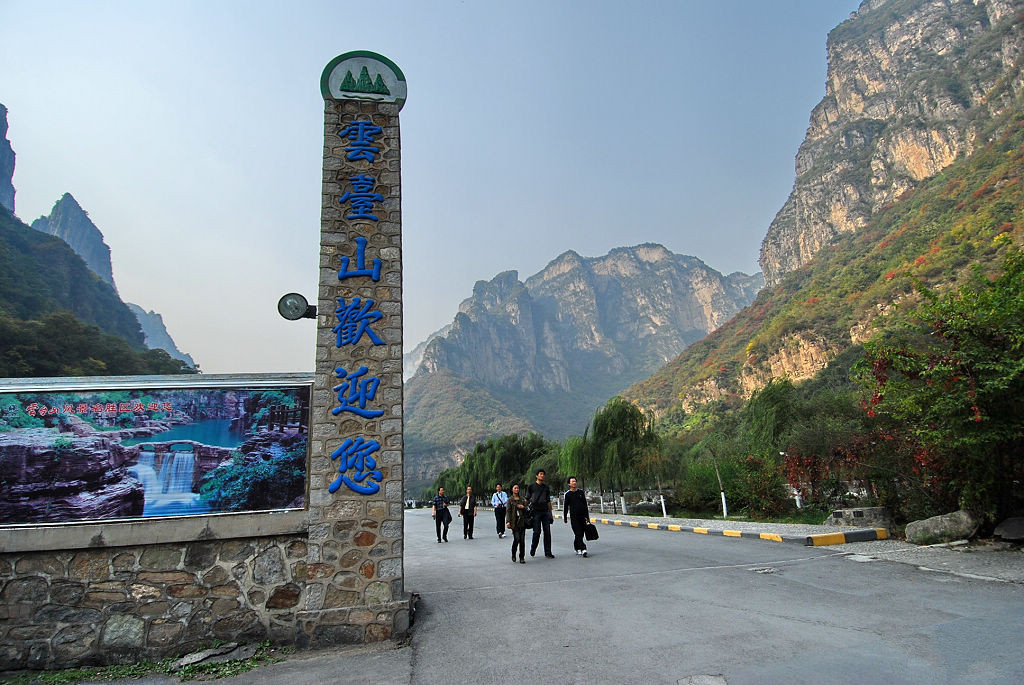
x: 121, y: 605
x: 862, y: 517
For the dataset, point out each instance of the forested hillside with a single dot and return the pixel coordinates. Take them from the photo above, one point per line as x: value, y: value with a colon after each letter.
x: 968, y: 215
x: 906, y: 342
x: 58, y: 318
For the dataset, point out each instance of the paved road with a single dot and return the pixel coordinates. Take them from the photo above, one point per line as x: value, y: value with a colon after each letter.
x: 653, y: 606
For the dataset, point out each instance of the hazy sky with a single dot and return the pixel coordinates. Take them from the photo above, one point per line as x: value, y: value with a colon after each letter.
x: 192, y: 134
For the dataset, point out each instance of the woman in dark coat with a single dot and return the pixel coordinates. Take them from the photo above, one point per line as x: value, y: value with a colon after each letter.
x: 514, y: 518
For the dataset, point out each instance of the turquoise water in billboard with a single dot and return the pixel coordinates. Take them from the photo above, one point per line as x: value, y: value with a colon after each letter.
x: 214, y: 432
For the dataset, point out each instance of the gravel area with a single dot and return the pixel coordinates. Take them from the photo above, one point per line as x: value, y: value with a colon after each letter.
x: 980, y: 559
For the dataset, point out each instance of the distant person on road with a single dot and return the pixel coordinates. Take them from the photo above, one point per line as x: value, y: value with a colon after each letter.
x: 515, y: 519
x: 539, y: 495
x: 574, y: 508
x: 441, y: 515
x: 498, y: 500
x: 467, y: 510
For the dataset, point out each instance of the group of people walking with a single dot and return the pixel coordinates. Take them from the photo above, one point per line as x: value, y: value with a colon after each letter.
x: 443, y: 517
x: 517, y: 511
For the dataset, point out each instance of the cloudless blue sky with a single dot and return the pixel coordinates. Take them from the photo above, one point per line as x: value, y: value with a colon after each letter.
x: 192, y: 133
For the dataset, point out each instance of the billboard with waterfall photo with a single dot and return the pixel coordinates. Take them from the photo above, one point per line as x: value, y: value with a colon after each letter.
x: 70, y: 455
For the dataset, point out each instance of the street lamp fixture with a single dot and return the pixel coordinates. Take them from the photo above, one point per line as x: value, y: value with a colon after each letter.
x: 294, y: 306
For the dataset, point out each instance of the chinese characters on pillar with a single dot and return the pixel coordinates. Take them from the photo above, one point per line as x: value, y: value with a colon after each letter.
x: 362, y: 197
x: 360, y: 135
x: 357, y: 468
x: 361, y: 391
x: 360, y: 269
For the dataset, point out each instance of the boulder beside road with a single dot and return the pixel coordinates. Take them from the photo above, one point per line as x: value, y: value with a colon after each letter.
x: 959, y: 525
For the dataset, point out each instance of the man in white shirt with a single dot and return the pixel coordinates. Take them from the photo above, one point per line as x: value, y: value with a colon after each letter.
x: 498, y: 500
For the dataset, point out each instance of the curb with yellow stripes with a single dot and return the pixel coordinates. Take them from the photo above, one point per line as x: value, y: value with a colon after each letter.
x: 810, y: 540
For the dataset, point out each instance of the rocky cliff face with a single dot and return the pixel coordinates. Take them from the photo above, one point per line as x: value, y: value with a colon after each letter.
x: 544, y: 354
x: 69, y: 222
x: 50, y: 477
x: 908, y: 82
x: 411, y: 360
x: 580, y: 320
x: 6, y: 164
x: 156, y: 333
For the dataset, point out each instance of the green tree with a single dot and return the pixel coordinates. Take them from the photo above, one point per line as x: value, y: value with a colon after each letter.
x: 60, y: 344
x: 579, y: 457
x: 506, y: 459
x: 767, y: 416
x: 954, y: 375
x: 622, y: 436
x: 256, y: 482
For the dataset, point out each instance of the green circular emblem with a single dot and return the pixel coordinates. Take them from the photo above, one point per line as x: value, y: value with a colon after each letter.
x: 363, y: 75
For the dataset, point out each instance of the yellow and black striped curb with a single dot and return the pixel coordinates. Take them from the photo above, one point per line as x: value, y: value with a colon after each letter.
x: 811, y: 540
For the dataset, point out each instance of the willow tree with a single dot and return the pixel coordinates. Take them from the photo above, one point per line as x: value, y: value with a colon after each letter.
x: 622, y: 436
x: 652, y: 462
x: 578, y: 456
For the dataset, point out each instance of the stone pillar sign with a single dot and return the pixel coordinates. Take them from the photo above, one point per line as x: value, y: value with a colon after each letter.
x: 356, y: 476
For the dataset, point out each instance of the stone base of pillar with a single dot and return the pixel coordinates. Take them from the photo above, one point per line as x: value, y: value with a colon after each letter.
x: 355, y: 625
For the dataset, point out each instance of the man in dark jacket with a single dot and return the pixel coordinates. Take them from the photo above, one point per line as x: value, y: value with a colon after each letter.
x: 574, y: 507
x: 467, y: 510
x: 539, y: 497
x: 440, y: 514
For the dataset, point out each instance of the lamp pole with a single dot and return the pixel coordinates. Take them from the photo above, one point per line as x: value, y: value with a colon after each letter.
x: 721, y: 488
x: 796, y: 490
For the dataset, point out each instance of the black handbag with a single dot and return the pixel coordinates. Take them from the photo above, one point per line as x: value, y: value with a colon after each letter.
x: 527, y: 517
x: 590, y: 531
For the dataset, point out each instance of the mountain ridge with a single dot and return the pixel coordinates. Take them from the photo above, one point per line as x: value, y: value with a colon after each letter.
x: 155, y: 334
x: 40, y: 274
x: 542, y: 354
x: 7, y: 161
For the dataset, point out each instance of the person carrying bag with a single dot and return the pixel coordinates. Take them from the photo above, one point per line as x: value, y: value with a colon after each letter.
x: 574, y: 509
x: 515, y: 518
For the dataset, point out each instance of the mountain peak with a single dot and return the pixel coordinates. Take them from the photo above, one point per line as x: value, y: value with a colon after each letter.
x: 69, y: 222
x: 490, y: 294
x: 6, y: 164
x: 68, y: 200
x: 646, y: 252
